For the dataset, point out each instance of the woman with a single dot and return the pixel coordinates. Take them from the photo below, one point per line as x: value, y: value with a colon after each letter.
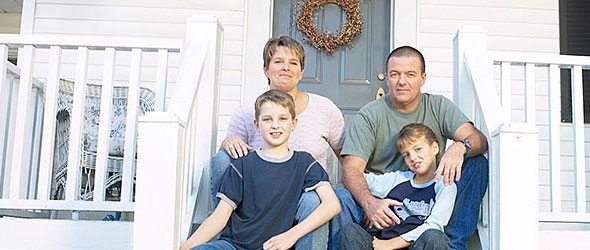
x: 320, y: 125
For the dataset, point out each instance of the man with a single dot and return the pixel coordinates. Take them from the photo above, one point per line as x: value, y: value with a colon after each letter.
x: 370, y: 147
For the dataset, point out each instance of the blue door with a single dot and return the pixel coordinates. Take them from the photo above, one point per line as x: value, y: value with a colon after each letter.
x: 351, y: 76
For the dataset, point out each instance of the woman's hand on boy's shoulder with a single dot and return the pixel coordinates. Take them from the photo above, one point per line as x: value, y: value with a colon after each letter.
x: 280, y: 242
x: 235, y: 146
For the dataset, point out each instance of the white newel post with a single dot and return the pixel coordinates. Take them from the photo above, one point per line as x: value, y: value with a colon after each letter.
x: 475, y: 40
x: 158, y: 181
x: 516, y: 189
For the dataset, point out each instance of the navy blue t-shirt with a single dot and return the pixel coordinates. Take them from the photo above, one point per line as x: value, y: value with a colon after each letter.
x: 264, y: 193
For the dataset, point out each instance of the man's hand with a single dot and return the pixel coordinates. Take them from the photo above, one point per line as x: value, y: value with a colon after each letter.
x: 379, y: 213
x: 235, y: 146
x: 450, y: 164
x: 280, y: 242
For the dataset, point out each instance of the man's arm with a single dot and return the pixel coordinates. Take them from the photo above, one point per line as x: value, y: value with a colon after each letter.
x: 452, y: 161
x: 211, y: 226
x: 393, y: 243
x: 377, y: 210
x: 328, y: 208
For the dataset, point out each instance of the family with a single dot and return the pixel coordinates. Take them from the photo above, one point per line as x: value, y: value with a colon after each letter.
x: 405, y: 188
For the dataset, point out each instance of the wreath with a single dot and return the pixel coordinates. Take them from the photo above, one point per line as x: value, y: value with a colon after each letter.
x: 351, y: 29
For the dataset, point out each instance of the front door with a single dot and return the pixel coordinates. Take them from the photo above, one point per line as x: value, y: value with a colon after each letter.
x: 349, y: 76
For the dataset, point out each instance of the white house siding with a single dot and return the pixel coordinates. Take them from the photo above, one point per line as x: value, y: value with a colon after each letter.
x: 145, y: 18
x: 529, y: 26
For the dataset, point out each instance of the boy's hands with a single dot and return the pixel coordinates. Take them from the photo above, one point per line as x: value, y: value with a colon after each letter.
x: 394, y: 243
x: 280, y: 242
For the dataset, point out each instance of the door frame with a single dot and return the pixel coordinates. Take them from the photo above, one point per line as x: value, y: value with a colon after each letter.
x: 258, y: 28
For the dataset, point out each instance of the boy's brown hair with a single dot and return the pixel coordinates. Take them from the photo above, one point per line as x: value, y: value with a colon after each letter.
x: 285, y: 41
x: 278, y: 97
x: 411, y: 133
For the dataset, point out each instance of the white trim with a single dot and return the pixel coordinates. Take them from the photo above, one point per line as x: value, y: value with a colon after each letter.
x: 27, y: 20
x: 93, y: 42
x: 565, y: 217
x: 76, y: 205
x: 405, y: 27
x: 539, y: 59
x: 258, y: 29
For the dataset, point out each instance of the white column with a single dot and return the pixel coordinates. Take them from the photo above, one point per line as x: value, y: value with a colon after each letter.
x: 158, y: 182
x: 516, y: 190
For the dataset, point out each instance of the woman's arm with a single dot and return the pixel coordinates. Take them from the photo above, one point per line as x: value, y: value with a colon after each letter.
x: 328, y: 208
x: 211, y: 226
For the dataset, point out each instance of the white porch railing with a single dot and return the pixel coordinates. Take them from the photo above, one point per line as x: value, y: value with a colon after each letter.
x: 27, y: 158
x: 181, y: 141
x: 517, y: 117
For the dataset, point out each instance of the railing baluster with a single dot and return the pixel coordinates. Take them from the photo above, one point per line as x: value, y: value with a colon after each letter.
x: 47, y: 144
x: 104, y: 125
x: 555, y: 140
x: 578, y: 122
x: 74, y: 147
x: 131, y: 127
x: 506, y: 92
x: 4, y: 96
x: 530, y: 93
x: 20, y: 155
x: 161, y: 75
x: 37, y: 117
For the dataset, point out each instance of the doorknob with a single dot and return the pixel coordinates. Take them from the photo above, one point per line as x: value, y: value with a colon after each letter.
x: 381, y: 76
x: 380, y: 93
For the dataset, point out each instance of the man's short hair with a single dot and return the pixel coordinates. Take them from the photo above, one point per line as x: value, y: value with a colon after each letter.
x: 278, y: 97
x: 407, y: 51
x: 285, y: 41
x: 411, y: 133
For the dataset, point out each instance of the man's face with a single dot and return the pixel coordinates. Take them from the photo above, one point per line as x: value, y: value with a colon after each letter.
x: 404, y: 79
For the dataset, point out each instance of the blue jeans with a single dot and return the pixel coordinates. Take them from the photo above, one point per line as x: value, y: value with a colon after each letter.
x: 309, y: 201
x: 470, y: 191
x: 215, y: 245
x: 353, y: 236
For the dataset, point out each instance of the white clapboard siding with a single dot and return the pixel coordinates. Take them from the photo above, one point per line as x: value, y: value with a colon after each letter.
x: 536, y: 22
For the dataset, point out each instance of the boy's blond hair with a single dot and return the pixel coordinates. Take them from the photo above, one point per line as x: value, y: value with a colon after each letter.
x: 411, y: 133
x: 278, y: 97
x: 285, y: 41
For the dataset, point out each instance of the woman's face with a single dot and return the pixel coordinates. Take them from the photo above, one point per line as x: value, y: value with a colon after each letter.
x: 284, y: 70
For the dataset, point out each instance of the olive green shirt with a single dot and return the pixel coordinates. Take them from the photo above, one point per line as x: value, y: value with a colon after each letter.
x: 374, y: 129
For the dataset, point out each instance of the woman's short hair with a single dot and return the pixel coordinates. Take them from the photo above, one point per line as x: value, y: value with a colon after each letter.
x: 278, y: 97
x: 411, y: 133
x: 285, y: 41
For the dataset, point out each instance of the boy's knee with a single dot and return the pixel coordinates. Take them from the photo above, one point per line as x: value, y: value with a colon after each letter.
x: 343, y: 195
x: 431, y: 239
x: 308, y: 202
x: 350, y: 233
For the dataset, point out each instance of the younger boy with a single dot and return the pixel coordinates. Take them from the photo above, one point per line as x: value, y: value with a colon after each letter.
x: 259, y: 192
x: 427, y: 205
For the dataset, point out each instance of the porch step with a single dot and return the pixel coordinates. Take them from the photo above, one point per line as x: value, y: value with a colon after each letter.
x: 571, y: 240
x: 20, y: 233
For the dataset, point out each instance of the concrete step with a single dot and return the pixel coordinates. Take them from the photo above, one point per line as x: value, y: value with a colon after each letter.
x: 48, y: 234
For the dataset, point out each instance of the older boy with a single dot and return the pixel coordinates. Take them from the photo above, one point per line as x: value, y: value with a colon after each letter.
x: 426, y: 205
x: 259, y: 193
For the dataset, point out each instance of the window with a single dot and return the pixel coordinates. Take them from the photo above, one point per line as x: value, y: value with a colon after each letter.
x: 574, y: 29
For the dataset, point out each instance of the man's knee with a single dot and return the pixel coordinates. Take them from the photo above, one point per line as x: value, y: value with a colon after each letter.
x: 353, y: 235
